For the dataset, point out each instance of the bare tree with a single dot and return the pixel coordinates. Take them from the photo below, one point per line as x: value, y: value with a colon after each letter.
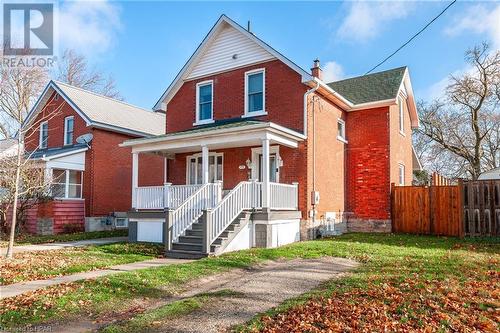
x: 74, y: 70
x: 463, y: 129
x: 19, y: 89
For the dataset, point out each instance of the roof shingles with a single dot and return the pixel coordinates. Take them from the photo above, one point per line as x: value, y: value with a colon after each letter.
x: 372, y: 87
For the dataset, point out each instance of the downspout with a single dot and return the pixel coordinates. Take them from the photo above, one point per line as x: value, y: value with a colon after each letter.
x: 306, y: 94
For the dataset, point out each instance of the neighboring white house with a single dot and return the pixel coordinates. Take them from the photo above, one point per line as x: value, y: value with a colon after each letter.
x: 8, y: 147
x: 492, y: 174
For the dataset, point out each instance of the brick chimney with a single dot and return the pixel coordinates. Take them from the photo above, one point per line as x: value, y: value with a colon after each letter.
x: 316, y: 70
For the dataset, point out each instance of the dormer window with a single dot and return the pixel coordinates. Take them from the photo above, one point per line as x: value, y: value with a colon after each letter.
x: 68, y: 130
x: 255, y: 91
x: 44, y: 135
x: 204, y: 102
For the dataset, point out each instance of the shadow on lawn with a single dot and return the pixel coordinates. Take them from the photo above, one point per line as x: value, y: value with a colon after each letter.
x: 476, y: 244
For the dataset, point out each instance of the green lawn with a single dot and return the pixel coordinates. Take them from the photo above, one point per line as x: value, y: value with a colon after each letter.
x: 25, y: 239
x: 388, y: 260
x: 37, y: 265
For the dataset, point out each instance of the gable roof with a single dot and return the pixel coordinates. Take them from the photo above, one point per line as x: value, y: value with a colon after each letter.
x: 222, y: 22
x: 103, y: 112
x: 372, y: 87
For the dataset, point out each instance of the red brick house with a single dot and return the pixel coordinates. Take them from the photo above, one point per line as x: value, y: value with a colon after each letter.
x: 75, y: 134
x: 269, y: 151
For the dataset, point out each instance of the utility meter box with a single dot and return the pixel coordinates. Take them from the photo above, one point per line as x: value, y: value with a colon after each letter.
x: 315, y: 197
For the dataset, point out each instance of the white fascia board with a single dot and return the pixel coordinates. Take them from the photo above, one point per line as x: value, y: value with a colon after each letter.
x: 68, y: 153
x: 412, y: 106
x: 179, y: 78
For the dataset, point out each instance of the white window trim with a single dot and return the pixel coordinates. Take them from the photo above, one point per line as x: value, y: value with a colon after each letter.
x: 196, y: 170
x: 66, y: 120
x: 340, y: 137
x: 401, y: 116
x: 205, y: 121
x: 40, y: 139
x: 401, y: 167
x: 262, y: 112
x: 255, y: 161
x: 67, y: 183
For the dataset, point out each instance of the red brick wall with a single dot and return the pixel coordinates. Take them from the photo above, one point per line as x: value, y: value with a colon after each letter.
x: 54, y: 112
x: 368, y: 179
x: 329, y: 156
x: 283, y: 100
x: 112, y: 173
x: 401, y: 145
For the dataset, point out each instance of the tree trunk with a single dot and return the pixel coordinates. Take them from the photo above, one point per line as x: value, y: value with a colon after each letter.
x: 10, y: 249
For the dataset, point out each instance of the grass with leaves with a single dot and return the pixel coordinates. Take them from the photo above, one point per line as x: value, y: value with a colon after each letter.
x: 27, y: 239
x: 400, y: 265
x: 38, y: 265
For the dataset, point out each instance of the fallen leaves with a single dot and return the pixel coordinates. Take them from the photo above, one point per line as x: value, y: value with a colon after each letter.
x: 450, y: 305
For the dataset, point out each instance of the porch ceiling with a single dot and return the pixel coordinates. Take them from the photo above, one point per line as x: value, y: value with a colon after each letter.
x: 240, y: 134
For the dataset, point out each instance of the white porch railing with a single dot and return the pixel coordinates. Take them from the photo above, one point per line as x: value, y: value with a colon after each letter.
x: 160, y: 197
x: 207, y: 196
x: 284, y: 196
x: 246, y: 195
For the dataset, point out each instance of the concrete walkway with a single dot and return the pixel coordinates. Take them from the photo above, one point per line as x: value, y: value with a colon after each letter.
x: 23, y: 287
x: 63, y: 245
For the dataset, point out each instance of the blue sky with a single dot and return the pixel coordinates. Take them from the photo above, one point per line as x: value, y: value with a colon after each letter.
x: 144, y: 44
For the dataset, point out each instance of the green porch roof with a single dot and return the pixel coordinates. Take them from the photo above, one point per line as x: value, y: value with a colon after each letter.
x: 372, y: 87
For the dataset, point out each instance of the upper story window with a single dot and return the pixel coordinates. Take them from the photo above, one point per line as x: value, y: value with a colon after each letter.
x: 204, y: 102
x: 401, y: 115
x: 56, y: 97
x: 341, y: 130
x: 401, y: 174
x: 68, y: 130
x: 44, y: 135
x: 255, y: 90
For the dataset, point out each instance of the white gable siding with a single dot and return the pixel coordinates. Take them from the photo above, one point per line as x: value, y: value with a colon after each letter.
x: 219, y: 54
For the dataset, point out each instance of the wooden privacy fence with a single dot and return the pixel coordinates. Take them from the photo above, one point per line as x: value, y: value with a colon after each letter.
x: 470, y: 208
x: 427, y: 210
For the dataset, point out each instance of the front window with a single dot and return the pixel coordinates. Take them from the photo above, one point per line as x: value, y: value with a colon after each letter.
x: 44, y: 134
x: 66, y: 184
x: 204, y: 97
x: 255, y: 92
x: 68, y: 130
x: 195, y: 169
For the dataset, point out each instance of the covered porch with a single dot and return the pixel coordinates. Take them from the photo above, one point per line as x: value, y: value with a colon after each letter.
x: 227, y: 154
x: 216, y: 178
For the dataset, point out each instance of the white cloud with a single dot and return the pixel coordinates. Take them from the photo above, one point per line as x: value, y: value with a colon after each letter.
x: 366, y: 20
x: 332, y: 71
x: 89, y: 27
x: 479, y: 19
x: 437, y: 90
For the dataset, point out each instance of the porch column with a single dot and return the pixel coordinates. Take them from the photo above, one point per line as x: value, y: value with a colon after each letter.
x: 135, y: 178
x: 165, y: 170
x: 204, y: 164
x: 266, y: 188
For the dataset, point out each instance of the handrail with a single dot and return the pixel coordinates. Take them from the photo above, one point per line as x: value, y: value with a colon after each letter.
x: 284, y: 196
x: 190, y: 210
x: 246, y: 195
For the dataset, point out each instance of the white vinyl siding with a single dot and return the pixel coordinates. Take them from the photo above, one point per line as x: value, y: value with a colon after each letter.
x: 44, y: 135
x: 230, y: 49
x: 69, y: 124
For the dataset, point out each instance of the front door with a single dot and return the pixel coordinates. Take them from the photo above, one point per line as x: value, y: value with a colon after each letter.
x: 273, y: 168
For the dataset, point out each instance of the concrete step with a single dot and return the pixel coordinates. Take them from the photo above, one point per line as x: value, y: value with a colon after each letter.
x: 183, y: 254
x: 191, y: 239
x: 198, y: 233
x: 196, y: 226
x: 187, y: 247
